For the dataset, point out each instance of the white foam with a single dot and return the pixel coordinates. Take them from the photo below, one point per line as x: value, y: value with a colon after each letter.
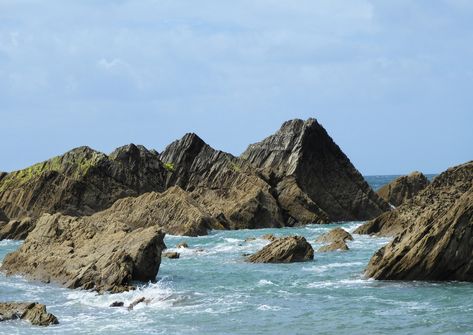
x: 268, y: 308
x: 264, y: 282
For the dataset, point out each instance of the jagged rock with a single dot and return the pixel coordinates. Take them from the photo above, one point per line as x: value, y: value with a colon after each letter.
x: 436, y: 199
x: 88, y: 252
x: 334, y: 246
x: 335, y: 235
x: 117, y: 304
x: 284, y: 250
x: 81, y: 182
x: 302, y: 162
x: 224, y: 184
x: 403, y: 188
x: 16, y: 229
x: 31, y: 311
x: 171, y: 255
x: 182, y: 245
x: 440, y: 247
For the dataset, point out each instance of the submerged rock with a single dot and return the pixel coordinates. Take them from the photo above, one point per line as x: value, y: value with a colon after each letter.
x: 313, y: 179
x: 89, y: 253
x: 269, y: 237
x: 335, y: 235
x: 80, y: 182
x: 437, y: 241
x: 336, y: 245
x: 284, y: 250
x: 117, y: 304
x: 171, y: 255
x: 182, y: 245
x: 403, y: 188
x: 30, y: 311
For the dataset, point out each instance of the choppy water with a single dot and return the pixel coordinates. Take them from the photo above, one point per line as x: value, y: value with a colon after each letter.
x: 215, y: 292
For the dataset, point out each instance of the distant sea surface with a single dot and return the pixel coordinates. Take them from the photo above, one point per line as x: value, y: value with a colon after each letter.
x: 215, y: 292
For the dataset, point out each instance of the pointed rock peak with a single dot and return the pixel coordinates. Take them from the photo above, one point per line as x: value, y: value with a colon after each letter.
x: 185, y: 148
x: 77, y: 155
x: 132, y: 151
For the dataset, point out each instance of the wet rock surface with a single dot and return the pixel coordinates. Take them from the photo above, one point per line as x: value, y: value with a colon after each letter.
x: 335, y: 235
x: 334, y: 246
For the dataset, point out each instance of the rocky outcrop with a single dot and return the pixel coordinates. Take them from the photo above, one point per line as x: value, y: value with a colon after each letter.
x: 437, y: 242
x: 171, y: 255
x: 228, y: 187
x: 174, y: 211
x: 314, y: 180
x: 33, y: 312
x: 81, y: 182
x: 335, y: 235
x: 403, y: 188
x: 435, y: 199
x: 439, y: 248
x: 284, y: 250
x: 89, y: 252
x: 334, y: 246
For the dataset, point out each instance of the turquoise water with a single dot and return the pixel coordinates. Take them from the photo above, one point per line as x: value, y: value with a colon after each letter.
x: 215, y: 292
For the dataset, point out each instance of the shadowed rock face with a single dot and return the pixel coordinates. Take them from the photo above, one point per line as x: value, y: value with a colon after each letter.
x: 435, y: 199
x: 403, y: 188
x: 30, y: 311
x: 284, y: 250
x: 3, y: 217
x: 88, y: 252
x: 227, y: 186
x: 305, y: 154
x: 437, y: 240
x: 81, y: 182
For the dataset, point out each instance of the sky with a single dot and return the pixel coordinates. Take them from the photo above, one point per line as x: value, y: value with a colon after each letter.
x: 390, y: 80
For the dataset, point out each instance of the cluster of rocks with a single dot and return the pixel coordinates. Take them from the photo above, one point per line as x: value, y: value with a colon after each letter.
x: 296, y: 248
x: 97, y: 222
x: 433, y: 232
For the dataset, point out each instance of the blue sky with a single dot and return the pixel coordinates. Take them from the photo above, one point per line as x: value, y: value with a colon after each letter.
x: 391, y: 81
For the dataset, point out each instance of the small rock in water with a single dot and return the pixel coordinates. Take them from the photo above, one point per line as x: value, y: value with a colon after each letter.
x: 182, y: 245
x: 138, y: 301
x: 171, y: 255
x: 335, y: 235
x: 338, y: 245
x: 117, y: 304
x: 249, y: 239
x: 284, y: 250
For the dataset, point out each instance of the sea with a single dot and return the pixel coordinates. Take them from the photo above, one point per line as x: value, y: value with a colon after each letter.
x: 212, y: 290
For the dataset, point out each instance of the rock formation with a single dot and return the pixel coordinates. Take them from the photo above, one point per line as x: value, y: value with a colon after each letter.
x: 81, y: 182
x: 436, y: 198
x: 224, y: 184
x: 313, y: 179
x: 437, y: 240
x: 3, y: 218
x: 88, y: 252
x: 403, y: 188
x: 284, y: 250
x: 297, y: 176
x: 30, y: 311
x: 334, y: 246
x: 336, y: 234
x: 171, y: 255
